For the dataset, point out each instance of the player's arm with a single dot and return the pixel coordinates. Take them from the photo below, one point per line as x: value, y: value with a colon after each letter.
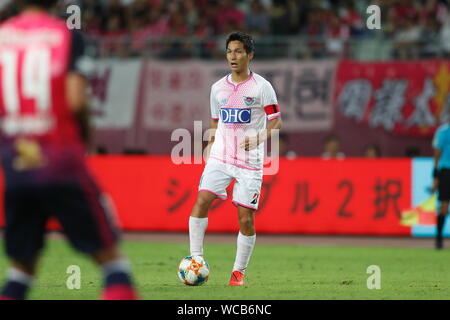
x: 212, y: 130
x: 437, y: 146
x: 214, y: 106
x: 76, y: 87
x: 274, y: 124
x: 252, y: 142
x: 212, y: 135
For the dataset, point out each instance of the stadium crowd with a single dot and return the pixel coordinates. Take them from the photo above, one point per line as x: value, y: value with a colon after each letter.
x: 417, y: 28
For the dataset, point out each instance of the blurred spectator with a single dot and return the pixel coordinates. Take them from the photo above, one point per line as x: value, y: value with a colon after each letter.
x: 278, y: 16
x: 412, y: 152
x: 203, y: 31
x: 177, y: 48
x: 283, y: 150
x: 134, y: 151
x: 293, y: 16
x: 315, y: 31
x: 406, y: 38
x: 114, y: 11
x: 138, y: 14
x: 429, y: 39
x: 431, y: 9
x: 228, y: 14
x: 101, y: 150
x: 91, y: 24
x: 332, y: 148
x: 372, y: 151
x: 177, y: 24
x: 203, y: 28
x: 284, y: 147
x: 336, y: 35
x: 152, y: 25
x: 444, y: 34
x: 257, y: 21
x: 402, y: 9
x: 114, y: 37
x: 352, y: 19
x: 190, y: 12
x: 92, y: 17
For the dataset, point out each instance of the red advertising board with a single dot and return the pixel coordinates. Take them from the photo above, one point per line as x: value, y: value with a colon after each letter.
x: 307, y: 196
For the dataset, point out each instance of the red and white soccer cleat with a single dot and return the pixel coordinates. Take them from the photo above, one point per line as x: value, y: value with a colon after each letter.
x: 237, y: 278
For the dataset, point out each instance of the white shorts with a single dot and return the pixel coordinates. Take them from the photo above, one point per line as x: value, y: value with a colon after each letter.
x: 218, y: 175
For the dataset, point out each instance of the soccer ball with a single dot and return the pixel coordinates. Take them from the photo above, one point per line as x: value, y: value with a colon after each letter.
x: 193, y: 271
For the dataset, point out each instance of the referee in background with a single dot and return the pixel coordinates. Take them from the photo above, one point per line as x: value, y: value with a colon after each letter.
x: 441, y: 176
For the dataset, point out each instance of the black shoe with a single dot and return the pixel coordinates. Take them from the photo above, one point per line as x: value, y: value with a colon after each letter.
x: 439, y: 244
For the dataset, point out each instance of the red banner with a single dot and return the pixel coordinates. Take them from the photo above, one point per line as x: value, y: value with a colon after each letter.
x: 308, y: 196
x: 400, y: 97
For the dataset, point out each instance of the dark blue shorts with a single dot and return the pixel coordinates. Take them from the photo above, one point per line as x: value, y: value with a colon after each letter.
x: 444, y: 185
x: 80, y: 208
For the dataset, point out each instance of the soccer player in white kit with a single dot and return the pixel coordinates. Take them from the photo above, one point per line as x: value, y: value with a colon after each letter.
x: 244, y: 111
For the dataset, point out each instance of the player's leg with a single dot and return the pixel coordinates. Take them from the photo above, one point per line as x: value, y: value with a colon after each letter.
x: 201, y: 206
x: 213, y: 184
x: 444, y: 197
x: 443, y: 210
x: 19, y: 279
x: 117, y: 279
x: 87, y: 219
x: 246, y: 238
x: 198, y: 222
x: 24, y: 239
x: 245, y: 243
x: 246, y: 197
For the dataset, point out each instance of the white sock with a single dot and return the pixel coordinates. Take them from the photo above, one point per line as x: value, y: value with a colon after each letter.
x: 197, y: 228
x: 17, y: 275
x: 119, y: 265
x: 245, y: 245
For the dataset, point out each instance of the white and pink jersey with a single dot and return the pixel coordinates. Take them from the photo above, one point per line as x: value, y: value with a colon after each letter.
x: 242, y: 110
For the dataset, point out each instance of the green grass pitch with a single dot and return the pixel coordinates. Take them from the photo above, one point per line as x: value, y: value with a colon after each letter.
x: 275, y: 272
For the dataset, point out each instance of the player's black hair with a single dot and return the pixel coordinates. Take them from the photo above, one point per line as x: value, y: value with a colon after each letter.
x: 245, y: 38
x: 284, y: 137
x: 331, y: 137
x: 39, y: 3
x: 375, y: 147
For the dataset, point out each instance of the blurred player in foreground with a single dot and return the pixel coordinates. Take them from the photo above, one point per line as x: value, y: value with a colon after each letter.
x: 441, y: 177
x: 244, y: 111
x: 43, y: 117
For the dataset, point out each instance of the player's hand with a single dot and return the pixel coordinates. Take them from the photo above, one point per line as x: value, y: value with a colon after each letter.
x: 250, y: 143
x: 207, y: 151
x: 435, y: 185
x: 29, y: 155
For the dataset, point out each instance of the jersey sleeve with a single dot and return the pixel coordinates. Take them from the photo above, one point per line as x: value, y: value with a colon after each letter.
x: 269, y: 102
x: 214, y: 104
x: 438, y: 139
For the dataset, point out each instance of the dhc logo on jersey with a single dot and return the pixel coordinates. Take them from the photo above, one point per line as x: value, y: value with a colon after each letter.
x: 236, y: 115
